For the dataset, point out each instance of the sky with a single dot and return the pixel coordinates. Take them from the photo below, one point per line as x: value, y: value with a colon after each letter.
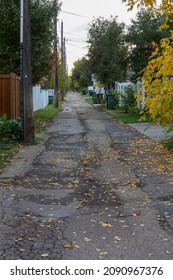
x: 76, y: 16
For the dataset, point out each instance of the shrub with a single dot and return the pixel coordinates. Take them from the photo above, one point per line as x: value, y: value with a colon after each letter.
x: 10, y: 129
x: 128, y: 100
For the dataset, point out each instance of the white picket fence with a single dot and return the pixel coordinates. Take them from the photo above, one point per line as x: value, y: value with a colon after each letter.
x: 121, y: 87
x: 41, y: 97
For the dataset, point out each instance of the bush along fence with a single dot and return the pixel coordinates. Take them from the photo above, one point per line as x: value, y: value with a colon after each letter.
x: 124, y: 88
x: 10, y: 129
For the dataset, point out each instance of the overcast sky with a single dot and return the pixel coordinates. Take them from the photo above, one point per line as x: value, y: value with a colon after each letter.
x: 76, y: 26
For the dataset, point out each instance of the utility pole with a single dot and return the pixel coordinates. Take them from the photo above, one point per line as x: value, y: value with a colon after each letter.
x: 21, y: 66
x: 62, y: 59
x: 56, y: 103
x: 62, y: 43
x: 26, y: 75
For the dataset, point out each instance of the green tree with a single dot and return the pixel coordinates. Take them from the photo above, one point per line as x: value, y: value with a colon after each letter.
x: 142, y: 35
x: 81, y: 74
x: 42, y: 31
x: 107, y: 50
x: 9, y: 36
x: 157, y: 76
x: 42, y: 14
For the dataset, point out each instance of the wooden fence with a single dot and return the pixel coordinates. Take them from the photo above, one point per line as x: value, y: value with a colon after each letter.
x: 10, y: 95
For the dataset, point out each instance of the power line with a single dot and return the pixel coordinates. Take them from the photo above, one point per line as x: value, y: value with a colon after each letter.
x: 74, y: 14
x: 74, y: 45
x: 72, y: 34
x: 76, y: 41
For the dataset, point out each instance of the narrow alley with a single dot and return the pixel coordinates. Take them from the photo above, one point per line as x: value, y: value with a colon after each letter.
x: 95, y: 189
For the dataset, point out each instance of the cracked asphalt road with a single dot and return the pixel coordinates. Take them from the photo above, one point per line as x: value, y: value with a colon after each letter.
x: 95, y: 189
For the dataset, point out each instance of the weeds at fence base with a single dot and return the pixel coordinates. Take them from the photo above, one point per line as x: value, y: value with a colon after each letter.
x: 42, y: 116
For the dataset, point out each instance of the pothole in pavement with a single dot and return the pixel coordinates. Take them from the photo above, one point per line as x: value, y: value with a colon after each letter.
x: 164, y: 223
x: 168, y: 198
x: 165, y: 205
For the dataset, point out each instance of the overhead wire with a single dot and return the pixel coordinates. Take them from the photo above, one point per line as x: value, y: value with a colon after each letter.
x: 74, y: 14
x: 73, y: 45
x: 78, y: 15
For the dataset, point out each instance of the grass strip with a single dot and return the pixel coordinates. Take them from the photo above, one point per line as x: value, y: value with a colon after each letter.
x: 125, y: 117
x: 42, y: 116
x: 88, y: 98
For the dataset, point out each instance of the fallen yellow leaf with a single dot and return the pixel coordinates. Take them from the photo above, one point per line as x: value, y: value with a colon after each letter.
x: 103, y: 253
x: 87, y: 239
x: 117, y: 238
x: 136, y: 213
x: 105, y: 224
x: 70, y: 185
x: 151, y: 255
x: 148, y: 197
x: 71, y: 246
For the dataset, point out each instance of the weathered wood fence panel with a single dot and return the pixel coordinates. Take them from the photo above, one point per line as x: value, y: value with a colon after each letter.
x: 10, y: 95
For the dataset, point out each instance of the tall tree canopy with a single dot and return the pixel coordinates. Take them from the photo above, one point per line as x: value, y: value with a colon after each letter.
x: 158, y: 74
x: 42, y: 14
x: 81, y: 74
x: 107, y: 51
x: 142, y: 35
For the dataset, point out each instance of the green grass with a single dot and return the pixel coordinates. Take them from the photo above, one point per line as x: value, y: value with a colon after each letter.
x: 7, y: 149
x: 88, y: 98
x: 125, y: 117
x: 119, y: 113
x: 45, y: 115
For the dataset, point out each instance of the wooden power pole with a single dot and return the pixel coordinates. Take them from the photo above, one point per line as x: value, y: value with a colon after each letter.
x: 62, y: 59
x: 56, y: 102
x: 26, y: 75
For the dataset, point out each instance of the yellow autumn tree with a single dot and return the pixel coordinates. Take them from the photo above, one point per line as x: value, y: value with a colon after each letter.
x: 157, y: 79
x: 161, y: 6
x: 158, y: 83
